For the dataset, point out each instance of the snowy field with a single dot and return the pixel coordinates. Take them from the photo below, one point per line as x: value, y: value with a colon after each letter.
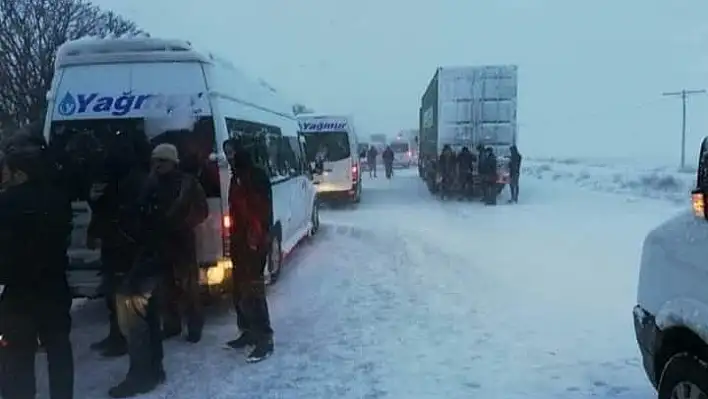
x: 629, y: 178
x: 406, y: 297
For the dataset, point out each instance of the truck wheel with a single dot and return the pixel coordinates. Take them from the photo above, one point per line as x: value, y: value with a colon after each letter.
x: 685, y: 376
x: 274, y: 260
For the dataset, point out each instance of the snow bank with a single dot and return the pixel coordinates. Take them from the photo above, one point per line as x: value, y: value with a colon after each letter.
x: 623, y: 178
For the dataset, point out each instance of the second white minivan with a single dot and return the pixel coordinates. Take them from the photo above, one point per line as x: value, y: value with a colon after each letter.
x: 331, y: 142
x: 167, y: 91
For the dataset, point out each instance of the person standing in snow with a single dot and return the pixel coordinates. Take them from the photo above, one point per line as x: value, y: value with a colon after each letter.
x: 514, y: 172
x: 465, y: 162
x: 113, y: 228
x: 371, y: 160
x: 251, y: 207
x: 35, y: 229
x: 163, y: 231
x: 387, y: 158
x: 448, y: 166
x: 488, y: 174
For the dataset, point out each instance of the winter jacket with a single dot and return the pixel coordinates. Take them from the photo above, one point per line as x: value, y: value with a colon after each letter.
x: 464, y: 161
x: 251, y: 210
x: 115, y: 214
x: 388, y: 156
x: 167, y: 240
x: 515, y: 164
x: 371, y: 155
x: 35, y: 231
x: 447, y: 164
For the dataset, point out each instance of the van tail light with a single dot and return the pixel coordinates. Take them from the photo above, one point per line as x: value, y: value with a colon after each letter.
x: 355, y: 172
x: 410, y: 154
x: 226, y: 224
x: 699, y: 204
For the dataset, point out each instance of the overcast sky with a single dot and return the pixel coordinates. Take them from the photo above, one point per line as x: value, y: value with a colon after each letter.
x: 591, y: 73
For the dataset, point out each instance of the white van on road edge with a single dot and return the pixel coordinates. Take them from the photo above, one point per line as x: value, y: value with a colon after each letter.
x: 171, y: 92
x: 671, y: 315
x: 333, y: 138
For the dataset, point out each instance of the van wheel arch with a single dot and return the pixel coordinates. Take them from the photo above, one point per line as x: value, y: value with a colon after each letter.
x: 677, y: 340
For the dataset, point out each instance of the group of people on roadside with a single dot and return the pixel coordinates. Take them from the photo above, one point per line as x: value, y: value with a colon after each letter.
x: 457, y: 170
x: 144, y: 211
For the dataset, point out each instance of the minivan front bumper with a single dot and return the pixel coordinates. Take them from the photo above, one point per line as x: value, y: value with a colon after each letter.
x: 648, y: 335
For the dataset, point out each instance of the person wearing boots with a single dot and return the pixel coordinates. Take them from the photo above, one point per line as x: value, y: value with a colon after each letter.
x: 181, y: 296
x: 371, y: 160
x: 251, y: 204
x: 387, y: 156
x: 514, y: 171
x: 35, y: 229
x: 489, y: 176
x: 113, y: 229
x: 137, y: 299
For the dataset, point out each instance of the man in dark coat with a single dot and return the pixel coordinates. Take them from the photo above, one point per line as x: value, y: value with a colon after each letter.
x: 251, y: 209
x: 514, y: 172
x: 114, y: 228
x: 162, y: 235
x: 371, y: 160
x: 448, y: 168
x: 387, y: 156
x: 465, y: 162
x: 488, y: 174
x: 35, y: 228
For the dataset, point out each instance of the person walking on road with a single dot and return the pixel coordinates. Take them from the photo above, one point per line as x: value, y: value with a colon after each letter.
x: 371, y: 160
x: 35, y: 229
x: 514, y: 172
x: 387, y: 156
x: 250, y: 206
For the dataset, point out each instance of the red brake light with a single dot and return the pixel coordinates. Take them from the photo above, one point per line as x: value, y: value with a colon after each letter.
x: 355, y: 173
x: 226, y: 233
x: 699, y: 205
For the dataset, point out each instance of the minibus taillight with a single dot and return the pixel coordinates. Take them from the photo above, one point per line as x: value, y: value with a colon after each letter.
x: 226, y: 233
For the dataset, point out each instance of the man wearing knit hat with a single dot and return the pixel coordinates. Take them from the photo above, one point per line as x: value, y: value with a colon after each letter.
x: 168, y: 243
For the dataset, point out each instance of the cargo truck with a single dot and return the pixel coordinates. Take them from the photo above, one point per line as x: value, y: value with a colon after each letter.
x: 468, y: 107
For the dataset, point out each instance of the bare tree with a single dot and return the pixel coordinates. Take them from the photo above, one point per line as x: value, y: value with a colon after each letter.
x: 31, y: 31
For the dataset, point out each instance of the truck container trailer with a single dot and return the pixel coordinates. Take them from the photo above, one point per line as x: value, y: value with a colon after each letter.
x: 468, y: 107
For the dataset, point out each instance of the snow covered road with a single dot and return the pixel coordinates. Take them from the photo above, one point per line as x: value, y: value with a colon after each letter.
x: 407, y: 297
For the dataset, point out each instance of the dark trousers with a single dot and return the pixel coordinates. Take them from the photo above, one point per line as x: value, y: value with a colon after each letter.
x: 139, y: 320
x: 389, y: 169
x: 111, y: 283
x: 489, y: 194
x: 115, y: 262
x: 372, y: 168
x: 446, y: 183
x: 249, y: 294
x: 180, y: 296
x: 514, y: 187
x: 25, y: 318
